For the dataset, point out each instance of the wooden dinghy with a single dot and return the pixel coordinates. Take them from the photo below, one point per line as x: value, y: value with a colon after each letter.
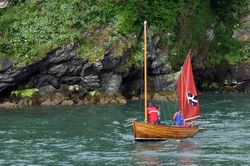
x: 152, y: 132
x: 188, y: 101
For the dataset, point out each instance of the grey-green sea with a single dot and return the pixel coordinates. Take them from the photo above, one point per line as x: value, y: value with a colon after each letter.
x: 101, y: 135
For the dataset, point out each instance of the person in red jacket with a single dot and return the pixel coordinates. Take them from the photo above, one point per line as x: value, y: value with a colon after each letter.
x: 153, y: 114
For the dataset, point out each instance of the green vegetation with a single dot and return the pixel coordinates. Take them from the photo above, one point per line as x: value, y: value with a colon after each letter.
x: 191, y: 31
x: 223, y: 17
x: 224, y: 47
x: 31, y: 28
x: 25, y: 92
x: 137, y: 58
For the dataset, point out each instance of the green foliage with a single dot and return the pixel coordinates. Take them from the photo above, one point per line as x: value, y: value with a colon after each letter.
x: 89, y: 51
x: 199, y: 22
x: 213, y: 85
x: 25, y: 92
x: 229, y: 11
x: 210, y: 85
x: 126, y: 20
x: 14, y: 2
x: 190, y: 33
x: 222, y: 17
x: 161, y: 14
x: 225, y: 47
x: 31, y: 28
x: 109, y: 9
x: 132, y: 13
x: 137, y: 58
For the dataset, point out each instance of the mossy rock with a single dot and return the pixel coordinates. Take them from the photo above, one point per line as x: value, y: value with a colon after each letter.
x: 229, y: 89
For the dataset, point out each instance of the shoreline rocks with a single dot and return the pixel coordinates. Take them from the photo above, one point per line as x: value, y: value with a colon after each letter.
x: 76, y: 95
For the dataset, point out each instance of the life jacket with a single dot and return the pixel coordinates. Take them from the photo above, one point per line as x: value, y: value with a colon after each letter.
x: 178, y: 118
x: 152, y: 114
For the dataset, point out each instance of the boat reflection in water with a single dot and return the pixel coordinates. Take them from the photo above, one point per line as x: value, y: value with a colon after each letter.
x: 173, y: 152
x: 187, y: 151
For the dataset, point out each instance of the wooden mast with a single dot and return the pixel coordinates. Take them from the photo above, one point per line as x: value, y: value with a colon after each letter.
x: 145, y: 71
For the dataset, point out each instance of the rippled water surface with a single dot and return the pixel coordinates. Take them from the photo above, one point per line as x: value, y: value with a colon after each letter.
x: 96, y: 135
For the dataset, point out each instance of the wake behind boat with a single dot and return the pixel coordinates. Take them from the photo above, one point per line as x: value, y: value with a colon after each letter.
x: 188, y: 101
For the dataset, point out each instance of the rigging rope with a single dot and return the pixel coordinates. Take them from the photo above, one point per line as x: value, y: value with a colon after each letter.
x: 160, y: 83
x: 165, y: 106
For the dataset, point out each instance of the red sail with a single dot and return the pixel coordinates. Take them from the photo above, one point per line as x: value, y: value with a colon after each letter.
x: 186, y: 91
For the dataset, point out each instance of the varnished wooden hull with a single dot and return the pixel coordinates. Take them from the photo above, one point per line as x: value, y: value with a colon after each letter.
x: 149, y: 132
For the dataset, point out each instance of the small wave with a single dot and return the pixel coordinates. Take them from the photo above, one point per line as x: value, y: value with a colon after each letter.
x: 116, y: 123
x: 12, y: 141
x: 127, y: 137
x: 220, y: 102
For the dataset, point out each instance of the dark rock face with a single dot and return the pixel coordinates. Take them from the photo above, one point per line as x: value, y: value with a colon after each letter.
x: 110, y: 62
x: 60, y: 66
x: 43, y: 91
x: 12, y: 78
x: 5, y: 65
x: 158, y: 71
x: 43, y: 80
x: 157, y: 61
x: 240, y: 75
x: 232, y: 79
x: 111, y: 83
x: 241, y: 72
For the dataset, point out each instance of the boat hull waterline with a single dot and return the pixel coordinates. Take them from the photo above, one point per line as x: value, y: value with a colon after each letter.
x: 150, y: 132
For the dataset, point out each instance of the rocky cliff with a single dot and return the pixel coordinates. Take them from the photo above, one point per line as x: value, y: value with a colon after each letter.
x: 62, y: 72
x: 104, y: 66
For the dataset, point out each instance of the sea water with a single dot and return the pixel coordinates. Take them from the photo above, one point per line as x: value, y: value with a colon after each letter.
x: 102, y: 135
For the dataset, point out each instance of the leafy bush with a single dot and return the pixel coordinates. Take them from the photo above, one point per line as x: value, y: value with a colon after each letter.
x: 32, y: 28
x: 222, y: 17
x: 25, y: 92
x: 137, y: 58
x: 225, y: 47
x: 29, y: 29
x: 229, y: 12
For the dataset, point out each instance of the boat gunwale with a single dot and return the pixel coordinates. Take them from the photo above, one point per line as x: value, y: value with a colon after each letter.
x: 188, y: 129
